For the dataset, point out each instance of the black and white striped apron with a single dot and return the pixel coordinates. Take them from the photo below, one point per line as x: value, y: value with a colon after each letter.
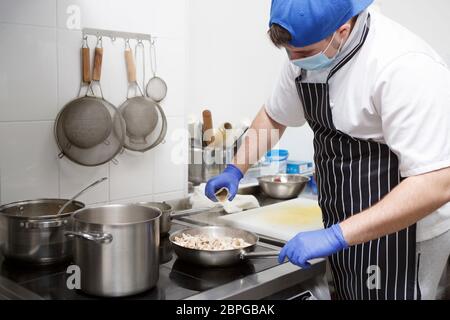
x: 352, y: 175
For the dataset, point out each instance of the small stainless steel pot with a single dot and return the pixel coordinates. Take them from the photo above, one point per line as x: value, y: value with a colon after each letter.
x: 168, y: 213
x: 32, y: 232
x: 117, y: 249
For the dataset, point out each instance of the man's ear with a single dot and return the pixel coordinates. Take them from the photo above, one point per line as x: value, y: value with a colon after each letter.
x: 344, y: 30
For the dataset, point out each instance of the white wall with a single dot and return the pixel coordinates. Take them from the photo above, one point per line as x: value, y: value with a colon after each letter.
x: 233, y: 66
x: 40, y: 72
x: 427, y: 18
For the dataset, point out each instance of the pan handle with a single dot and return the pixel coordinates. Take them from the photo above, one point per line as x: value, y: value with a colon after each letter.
x: 131, y: 66
x: 253, y: 255
x: 96, y: 237
x: 85, y: 56
x: 98, y: 61
x: 190, y: 212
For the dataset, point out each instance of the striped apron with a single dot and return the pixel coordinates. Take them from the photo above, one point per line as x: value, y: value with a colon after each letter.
x: 353, y: 175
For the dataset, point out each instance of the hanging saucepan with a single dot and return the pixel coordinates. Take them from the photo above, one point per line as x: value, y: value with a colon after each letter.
x: 89, y: 130
x: 169, y: 213
x: 156, y: 86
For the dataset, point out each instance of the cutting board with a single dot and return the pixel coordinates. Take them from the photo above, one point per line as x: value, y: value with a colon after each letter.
x: 280, y: 221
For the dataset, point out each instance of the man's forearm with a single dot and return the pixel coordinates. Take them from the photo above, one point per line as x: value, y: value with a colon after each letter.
x: 263, y: 134
x: 412, y: 200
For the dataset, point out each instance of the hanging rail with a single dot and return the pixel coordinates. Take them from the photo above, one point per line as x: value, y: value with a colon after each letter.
x: 116, y: 34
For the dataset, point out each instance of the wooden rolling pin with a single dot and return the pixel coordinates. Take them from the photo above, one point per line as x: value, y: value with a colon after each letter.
x: 208, y: 134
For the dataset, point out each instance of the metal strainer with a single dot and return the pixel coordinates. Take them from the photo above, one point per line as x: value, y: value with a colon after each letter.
x: 86, y: 121
x: 141, y: 114
x: 156, y: 87
x: 89, y: 130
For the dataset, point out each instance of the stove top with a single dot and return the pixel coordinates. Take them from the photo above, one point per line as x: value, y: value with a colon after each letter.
x: 177, y: 279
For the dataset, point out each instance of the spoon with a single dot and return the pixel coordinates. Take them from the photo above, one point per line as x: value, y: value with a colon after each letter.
x: 79, y: 194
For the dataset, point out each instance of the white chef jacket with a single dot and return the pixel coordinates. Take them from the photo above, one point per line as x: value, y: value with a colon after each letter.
x: 395, y: 91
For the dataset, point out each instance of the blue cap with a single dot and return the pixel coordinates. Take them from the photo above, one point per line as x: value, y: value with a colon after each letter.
x: 311, y: 21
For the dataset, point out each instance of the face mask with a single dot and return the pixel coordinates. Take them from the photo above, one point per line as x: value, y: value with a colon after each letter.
x: 318, y: 61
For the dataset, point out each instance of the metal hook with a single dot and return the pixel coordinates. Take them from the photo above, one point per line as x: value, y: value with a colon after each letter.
x: 100, y: 42
x: 85, y: 41
x: 127, y: 44
x: 140, y: 44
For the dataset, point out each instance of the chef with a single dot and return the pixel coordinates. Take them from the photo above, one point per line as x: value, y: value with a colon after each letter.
x: 378, y: 100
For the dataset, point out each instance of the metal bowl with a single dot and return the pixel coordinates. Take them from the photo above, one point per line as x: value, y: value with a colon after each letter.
x: 283, y: 186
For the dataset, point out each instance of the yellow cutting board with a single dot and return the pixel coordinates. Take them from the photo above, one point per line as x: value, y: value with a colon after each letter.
x: 280, y: 221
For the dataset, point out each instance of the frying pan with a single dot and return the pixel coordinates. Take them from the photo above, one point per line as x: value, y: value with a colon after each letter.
x: 221, y: 258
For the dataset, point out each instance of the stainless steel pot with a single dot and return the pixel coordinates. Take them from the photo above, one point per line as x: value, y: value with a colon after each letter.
x: 117, y: 249
x: 32, y: 232
x: 168, y: 213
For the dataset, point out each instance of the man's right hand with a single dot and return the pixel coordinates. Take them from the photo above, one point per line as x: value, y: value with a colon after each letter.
x: 229, y: 179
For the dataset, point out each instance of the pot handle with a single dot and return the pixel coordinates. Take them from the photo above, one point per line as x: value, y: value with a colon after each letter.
x: 36, y: 224
x: 96, y: 237
x: 253, y: 255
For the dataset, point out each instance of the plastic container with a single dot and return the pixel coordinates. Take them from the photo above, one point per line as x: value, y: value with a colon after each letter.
x: 299, y: 167
x: 276, y: 161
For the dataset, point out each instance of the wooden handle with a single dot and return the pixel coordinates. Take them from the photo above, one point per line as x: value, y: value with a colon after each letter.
x: 227, y: 126
x: 86, y: 62
x: 207, y: 127
x: 98, y: 60
x: 131, y: 66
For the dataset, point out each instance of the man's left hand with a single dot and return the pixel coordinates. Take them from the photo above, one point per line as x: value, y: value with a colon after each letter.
x: 313, y: 244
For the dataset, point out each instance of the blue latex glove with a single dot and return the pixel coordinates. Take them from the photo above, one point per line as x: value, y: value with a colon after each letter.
x: 229, y: 179
x: 313, y: 244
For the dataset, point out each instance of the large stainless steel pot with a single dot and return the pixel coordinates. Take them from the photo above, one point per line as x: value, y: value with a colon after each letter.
x: 32, y: 232
x: 117, y: 249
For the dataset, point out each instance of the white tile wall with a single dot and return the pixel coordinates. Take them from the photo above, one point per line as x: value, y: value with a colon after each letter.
x: 130, y: 15
x: 74, y: 178
x: 145, y: 198
x: 28, y: 68
x: 40, y: 72
x: 168, y: 196
x: 168, y: 173
x: 133, y: 175
x: 29, y: 162
x: 32, y: 12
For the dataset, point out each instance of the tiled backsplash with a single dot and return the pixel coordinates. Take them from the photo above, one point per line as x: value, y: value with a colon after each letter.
x: 40, y: 73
